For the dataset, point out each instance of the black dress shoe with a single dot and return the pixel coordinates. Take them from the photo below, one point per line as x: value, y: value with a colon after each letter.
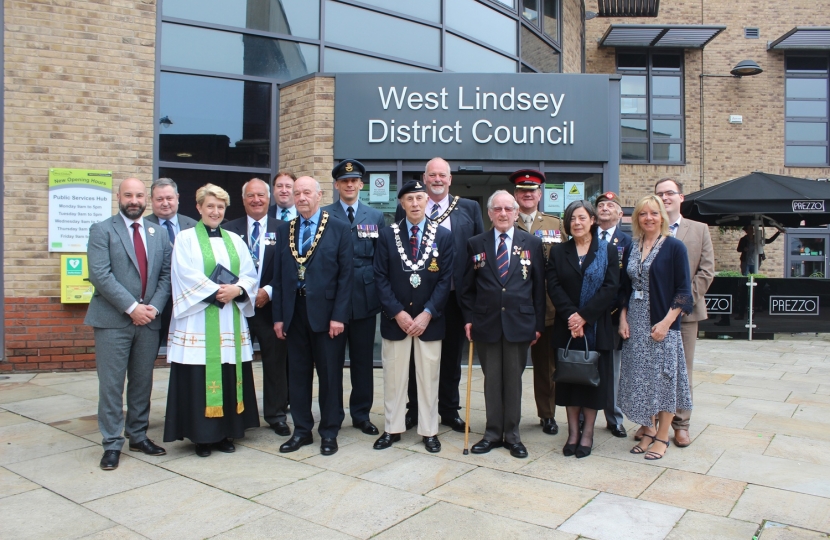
x: 457, y: 424
x: 109, y: 461
x: 483, y: 446
x: 328, y: 447
x: 366, y: 427
x: 432, y: 444
x: 569, y: 449
x: 225, y: 445
x: 202, y: 450
x: 281, y: 429
x: 617, y: 431
x: 517, y: 450
x: 410, y: 422
x: 386, y: 440
x: 148, y: 447
x: 549, y: 426
x: 582, y: 451
x: 295, y: 443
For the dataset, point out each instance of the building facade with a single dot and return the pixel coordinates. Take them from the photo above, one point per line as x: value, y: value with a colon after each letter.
x: 221, y: 91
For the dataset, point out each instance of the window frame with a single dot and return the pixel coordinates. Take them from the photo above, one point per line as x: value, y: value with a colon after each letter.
x: 808, y: 119
x: 649, y: 116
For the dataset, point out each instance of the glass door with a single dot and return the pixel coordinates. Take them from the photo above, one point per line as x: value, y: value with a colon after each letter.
x: 807, y: 256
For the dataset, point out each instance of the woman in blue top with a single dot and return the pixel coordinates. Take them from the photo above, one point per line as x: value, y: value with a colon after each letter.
x: 653, y: 378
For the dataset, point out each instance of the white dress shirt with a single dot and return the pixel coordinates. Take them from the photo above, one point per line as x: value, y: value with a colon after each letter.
x: 442, y: 207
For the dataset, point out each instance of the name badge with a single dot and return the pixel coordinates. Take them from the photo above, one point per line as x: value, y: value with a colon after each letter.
x: 638, y: 295
x: 367, y: 231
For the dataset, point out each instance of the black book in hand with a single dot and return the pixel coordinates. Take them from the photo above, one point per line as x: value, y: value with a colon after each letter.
x: 220, y: 276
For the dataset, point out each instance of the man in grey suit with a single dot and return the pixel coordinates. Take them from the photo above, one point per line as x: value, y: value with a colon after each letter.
x: 164, y: 197
x: 129, y: 265
x: 695, y: 236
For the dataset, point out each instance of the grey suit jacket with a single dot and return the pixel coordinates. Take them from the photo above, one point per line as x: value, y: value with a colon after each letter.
x: 113, y: 270
x: 184, y: 221
x: 695, y: 236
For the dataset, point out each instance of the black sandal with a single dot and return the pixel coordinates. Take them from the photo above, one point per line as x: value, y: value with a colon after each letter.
x: 651, y: 455
x: 639, y: 449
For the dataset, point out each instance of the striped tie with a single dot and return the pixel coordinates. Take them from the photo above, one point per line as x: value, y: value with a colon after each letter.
x: 413, y: 241
x: 254, y: 240
x: 306, y: 236
x: 284, y: 214
x: 502, y: 259
x: 673, y: 228
x: 436, y: 211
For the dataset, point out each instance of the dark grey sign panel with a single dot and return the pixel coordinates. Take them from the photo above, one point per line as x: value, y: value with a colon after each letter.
x: 719, y: 304
x: 550, y: 117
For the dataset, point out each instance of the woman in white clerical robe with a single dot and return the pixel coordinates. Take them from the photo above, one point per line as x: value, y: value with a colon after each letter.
x: 211, y: 397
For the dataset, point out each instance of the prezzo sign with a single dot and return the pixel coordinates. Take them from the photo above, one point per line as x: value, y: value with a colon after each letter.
x: 473, y: 116
x: 808, y: 206
x: 793, y: 305
x: 719, y: 304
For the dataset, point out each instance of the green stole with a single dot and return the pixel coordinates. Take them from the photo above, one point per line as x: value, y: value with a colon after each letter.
x: 213, y: 336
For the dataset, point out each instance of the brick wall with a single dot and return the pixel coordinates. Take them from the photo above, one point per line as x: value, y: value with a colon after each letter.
x: 730, y: 150
x: 306, y: 142
x: 571, y: 36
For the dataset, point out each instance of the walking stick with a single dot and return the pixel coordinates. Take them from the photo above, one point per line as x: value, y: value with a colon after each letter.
x: 467, y: 415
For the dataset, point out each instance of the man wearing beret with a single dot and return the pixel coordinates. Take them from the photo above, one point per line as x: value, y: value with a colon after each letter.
x: 548, y: 228
x: 609, y: 213
x: 413, y: 272
x: 365, y: 224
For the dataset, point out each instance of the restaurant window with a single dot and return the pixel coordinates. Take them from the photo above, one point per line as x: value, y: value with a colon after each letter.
x: 651, y: 107
x: 806, y: 113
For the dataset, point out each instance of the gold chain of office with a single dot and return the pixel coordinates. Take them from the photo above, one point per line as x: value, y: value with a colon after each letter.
x: 446, y: 214
x: 293, y: 245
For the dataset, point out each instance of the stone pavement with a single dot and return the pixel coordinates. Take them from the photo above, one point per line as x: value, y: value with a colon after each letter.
x: 759, y: 463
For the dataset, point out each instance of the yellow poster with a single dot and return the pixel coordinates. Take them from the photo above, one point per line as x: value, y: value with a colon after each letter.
x: 75, y: 285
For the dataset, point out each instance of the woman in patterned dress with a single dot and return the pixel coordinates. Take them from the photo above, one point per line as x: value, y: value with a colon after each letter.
x: 653, y: 378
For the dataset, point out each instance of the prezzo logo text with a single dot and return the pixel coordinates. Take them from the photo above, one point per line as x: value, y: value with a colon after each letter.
x: 719, y: 304
x: 793, y: 305
x: 808, y: 206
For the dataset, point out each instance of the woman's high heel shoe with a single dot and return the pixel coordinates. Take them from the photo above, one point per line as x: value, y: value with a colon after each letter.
x: 569, y: 449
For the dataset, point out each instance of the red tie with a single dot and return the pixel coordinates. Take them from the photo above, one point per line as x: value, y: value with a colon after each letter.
x: 141, y: 257
x: 413, y: 241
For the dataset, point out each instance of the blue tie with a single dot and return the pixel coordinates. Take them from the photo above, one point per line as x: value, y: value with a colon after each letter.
x: 284, y: 214
x: 169, y: 226
x: 255, y: 244
x: 433, y: 215
x: 673, y: 228
x: 306, y: 237
x: 502, y: 259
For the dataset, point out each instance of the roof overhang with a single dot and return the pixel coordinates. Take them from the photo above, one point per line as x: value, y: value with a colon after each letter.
x: 628, y: 8
x: 678, y: 36
x: 803, y: 37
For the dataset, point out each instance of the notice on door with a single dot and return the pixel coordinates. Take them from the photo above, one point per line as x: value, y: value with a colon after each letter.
x: 574, y: 191
x: 77, y: 199
x: 554, y: 199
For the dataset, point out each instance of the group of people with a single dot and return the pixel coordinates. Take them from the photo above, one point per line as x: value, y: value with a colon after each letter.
x: 306, y: 281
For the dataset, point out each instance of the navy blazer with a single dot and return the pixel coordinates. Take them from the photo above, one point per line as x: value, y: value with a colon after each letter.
x: 328, y: 278
x: 466, y: 222
x: 515, y: 310
x: 365, y: 301
x: 564, y: 277
x: 397, y: 293
x: 280, y: 230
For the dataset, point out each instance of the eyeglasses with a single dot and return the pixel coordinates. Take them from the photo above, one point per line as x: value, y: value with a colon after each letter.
x: 669, y: 193
x: 499, y: 209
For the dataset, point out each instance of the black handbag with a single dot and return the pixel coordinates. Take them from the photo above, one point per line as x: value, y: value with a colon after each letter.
x: 577, y: 367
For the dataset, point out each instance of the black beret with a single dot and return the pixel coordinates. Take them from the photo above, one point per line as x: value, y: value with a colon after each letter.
x: 413, y: 186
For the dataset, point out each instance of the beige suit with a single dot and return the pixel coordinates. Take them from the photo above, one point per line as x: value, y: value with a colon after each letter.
x: 695, y: 236
x: 541, y: 354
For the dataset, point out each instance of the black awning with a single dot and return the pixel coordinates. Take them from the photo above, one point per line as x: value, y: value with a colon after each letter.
x: 628, y: 8
x: 803, y: 37
x: 680, y: 36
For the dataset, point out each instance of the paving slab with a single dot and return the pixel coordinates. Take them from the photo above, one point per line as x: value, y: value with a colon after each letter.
x: 743, y: 391
x: 754, y: 406
x: 282, y: 525
x: 178, y: 509
x: 803, y: 450
x: 807, y: 398
x: 698, y: 526
x: 518, y: 497
x: 265, y: 440
x: 12, y: 484
x: 697, y: 492
x: 115, y: 533
x: 724, y: 438
x: 778, y: 531
x: 789, y: 426
x: 417, y: 473
x: 814, y: 412
x: 60, y: 473
x: 39, y: 514
x: 699, y: 457
x: 8, y: 419
x: 16, y: 378
x: 10, y: 393
x: 445, y: 520
x: 781, y: 385
x: 53, y: 408
x: 328, y: 499
x: 594, y: 472
x: 32, y: 440
x: 85, y: 388
x: 48, y: 379
x: 81, y: 426
x: 802, y: 477
x: 246, y: 472
x: 612, y: 517
x: 759, y: 503
x: 358, y: 458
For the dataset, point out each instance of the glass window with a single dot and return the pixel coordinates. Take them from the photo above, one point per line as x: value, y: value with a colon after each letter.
x: 342, y: 61
x: 466, y: 57
x: 348, y: 25
x: 549, y: 23
x: 812, y: 64
x: 508, y: 3
x: 805, y: 131
x: 294, y: 17
x: 806, y: 108
x: 216, y: 121
x: 227, y: 52
x: 538, y: 53
x: 189, y: 180
x: 807, y: 88
x: 806, y: 155
x: 480, y: 22
x: 423, y: 9
x: 651, y: 93
x: 530, y: 10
